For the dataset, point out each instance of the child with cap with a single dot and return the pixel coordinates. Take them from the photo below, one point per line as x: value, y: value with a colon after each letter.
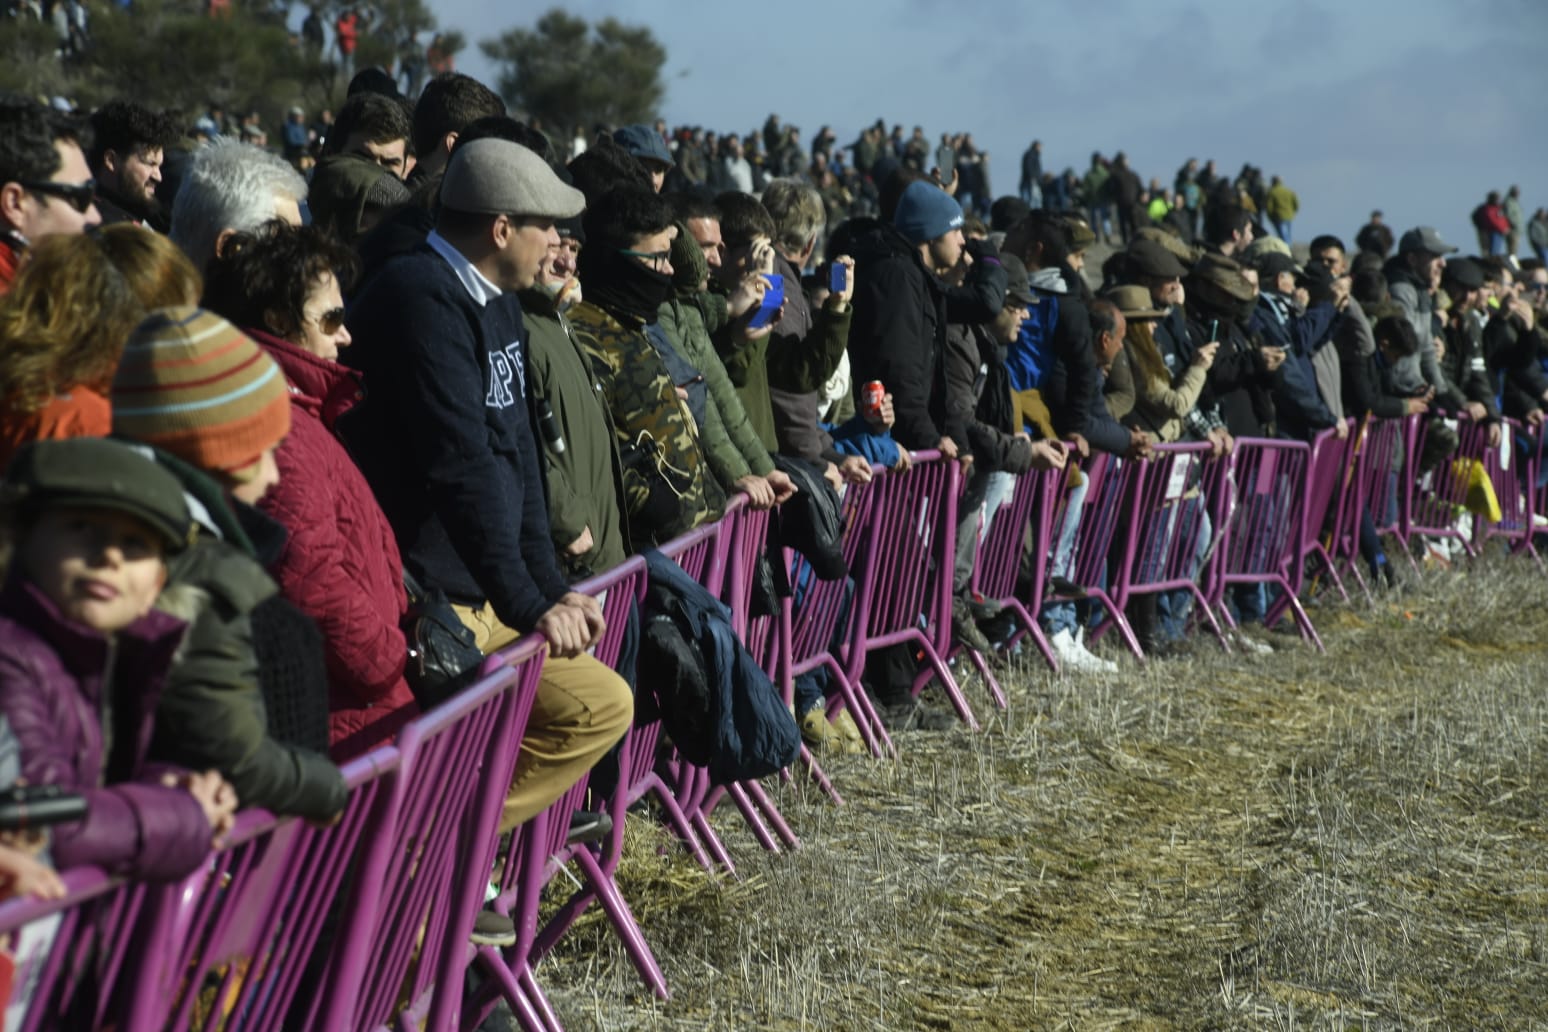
x: 248, y: 694
x: 83, y: 653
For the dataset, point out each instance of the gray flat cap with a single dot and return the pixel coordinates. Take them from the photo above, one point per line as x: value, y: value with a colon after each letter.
x: 497, y: 177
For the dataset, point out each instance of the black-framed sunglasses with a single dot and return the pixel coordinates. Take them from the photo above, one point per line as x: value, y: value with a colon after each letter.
x: 330, y: 321
x: 80, y: 196
x: 655, y: 259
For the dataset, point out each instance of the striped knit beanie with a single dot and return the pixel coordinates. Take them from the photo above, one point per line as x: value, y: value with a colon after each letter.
x: 191, y: 383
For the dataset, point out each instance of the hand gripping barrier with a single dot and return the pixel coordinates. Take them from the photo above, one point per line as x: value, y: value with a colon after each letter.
x: 1173, y: 504
x: 1001, y: 554
x: 1102, y: 514
x: 816, y: 622
x: 1261, y: 532
x: 421, y: 879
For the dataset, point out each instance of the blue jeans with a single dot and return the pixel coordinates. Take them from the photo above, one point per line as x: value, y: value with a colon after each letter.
x: 1283, y: 229
x: 1060, y: 616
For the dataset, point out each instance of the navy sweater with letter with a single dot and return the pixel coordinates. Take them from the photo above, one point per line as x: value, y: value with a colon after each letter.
x: 446, y: 440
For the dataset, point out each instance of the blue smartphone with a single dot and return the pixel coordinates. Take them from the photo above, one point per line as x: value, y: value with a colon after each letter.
x: 772, y: 299
x: 837, y: 280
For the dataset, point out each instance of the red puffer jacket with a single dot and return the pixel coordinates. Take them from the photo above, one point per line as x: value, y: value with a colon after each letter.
x: 341, y: 565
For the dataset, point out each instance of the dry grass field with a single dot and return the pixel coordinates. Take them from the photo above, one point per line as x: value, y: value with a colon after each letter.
x: 1356, y: 840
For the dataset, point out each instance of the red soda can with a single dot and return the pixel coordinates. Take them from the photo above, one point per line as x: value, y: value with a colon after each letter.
x: 871, y: 396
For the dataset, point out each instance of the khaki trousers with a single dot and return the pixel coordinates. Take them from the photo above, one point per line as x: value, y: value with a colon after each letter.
x: 581, y: 711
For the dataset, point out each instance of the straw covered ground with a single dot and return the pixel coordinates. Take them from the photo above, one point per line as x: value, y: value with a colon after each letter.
x: 1349, y: 840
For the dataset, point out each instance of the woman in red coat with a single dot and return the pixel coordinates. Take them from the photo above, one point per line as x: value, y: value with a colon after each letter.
x: 340, y: 565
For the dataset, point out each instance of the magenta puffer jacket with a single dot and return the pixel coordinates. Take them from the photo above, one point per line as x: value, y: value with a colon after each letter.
x: 59, y: 685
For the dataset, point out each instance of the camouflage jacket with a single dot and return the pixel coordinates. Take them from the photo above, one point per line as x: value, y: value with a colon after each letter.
x: 668, y: 488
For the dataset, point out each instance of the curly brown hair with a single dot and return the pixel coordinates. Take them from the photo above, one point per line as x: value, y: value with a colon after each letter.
x: 261, y: 280
x: 64, y: 323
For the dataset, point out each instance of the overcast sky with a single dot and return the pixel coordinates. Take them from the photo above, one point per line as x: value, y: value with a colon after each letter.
x: 1417, y: 107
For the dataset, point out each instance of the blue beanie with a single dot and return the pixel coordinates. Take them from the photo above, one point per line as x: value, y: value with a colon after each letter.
x: 925, y: 212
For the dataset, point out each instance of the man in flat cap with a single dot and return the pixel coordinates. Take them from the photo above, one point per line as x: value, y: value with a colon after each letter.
x: 446, y: 440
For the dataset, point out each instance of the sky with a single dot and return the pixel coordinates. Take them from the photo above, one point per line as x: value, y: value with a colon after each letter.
x: 1416, y: 107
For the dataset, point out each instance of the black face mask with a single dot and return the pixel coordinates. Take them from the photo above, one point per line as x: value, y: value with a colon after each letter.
x: 1245, y: 309
x: 623, y: 287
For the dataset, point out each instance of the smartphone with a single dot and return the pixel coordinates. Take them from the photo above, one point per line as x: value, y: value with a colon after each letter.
x: 837, y: 280
x: 772, y: 299
x: 38, y: 806
x: 946, y: 161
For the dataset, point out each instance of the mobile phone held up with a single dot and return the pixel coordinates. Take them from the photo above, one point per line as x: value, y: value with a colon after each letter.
x: 838, y: 278
x: 38, y: 806
x: 772, y: 299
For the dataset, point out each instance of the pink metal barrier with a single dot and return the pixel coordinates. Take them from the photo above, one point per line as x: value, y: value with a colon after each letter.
x: 694, y: 789
x: 234, y: 942
x: 1087, y: 567
x: 1437, y: 497
x: 903, y: 590
x: 73, y: 955
x: 364, y: 924
x: 1263, y: 524
x: 421, y: 883
x: 1173, y: 504
x: 762, y: 634
x: 1022, y: 526
x: 821, y: 612
x: 538, y: 849
x: 1512, y: 470
x: 1329, y: 478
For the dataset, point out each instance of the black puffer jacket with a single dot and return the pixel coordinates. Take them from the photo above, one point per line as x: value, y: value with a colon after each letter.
x: 898, y: 336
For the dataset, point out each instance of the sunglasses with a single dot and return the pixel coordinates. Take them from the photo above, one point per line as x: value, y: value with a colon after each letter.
x: 79, y: 196
x: 655, y: 259
x: 330, y: 321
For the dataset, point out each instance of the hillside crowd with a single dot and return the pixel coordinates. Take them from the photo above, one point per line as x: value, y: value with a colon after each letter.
x: 264, y: 431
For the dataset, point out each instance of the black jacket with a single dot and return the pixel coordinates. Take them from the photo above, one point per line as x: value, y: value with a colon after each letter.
x: 1512, y: 354
x: 979, y: 393
x: 1100, y: 429
x: 1464, y: 365
x: 1239, y: 381
x: 446, y: 439
x: 898, y: 336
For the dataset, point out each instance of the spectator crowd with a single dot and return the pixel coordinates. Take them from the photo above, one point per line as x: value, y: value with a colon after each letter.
x: 264, y: 410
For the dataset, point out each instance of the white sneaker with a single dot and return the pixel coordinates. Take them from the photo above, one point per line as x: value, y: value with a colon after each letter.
x: 1073, y: 655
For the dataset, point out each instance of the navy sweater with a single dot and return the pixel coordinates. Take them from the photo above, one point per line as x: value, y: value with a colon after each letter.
x: 446, y: 440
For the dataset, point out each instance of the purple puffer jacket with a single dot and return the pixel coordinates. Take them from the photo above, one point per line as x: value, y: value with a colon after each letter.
x: 53, y: 674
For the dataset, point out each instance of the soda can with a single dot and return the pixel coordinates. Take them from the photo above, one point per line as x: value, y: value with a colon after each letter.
x: 871, y: 396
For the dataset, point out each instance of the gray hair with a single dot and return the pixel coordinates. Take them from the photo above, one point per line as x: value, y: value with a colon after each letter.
x: 797, y: 210
x: 231, y: 186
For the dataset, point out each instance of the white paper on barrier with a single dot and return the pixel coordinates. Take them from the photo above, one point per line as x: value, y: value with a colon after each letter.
x: 1178, y: 484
